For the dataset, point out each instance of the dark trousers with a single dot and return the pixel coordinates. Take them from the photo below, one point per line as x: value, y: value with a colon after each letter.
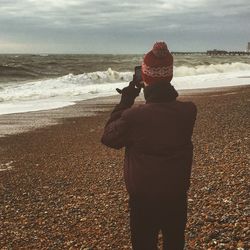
x: 148, y: 216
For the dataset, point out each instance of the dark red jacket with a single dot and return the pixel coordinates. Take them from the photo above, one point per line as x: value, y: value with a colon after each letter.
x: 157, y: 140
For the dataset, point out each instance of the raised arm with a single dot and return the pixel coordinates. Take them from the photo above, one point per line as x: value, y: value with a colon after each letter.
x: 116, y: 130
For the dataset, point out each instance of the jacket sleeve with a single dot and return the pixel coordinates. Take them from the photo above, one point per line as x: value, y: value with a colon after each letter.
x: 194, y: 116
x: 116, y: 130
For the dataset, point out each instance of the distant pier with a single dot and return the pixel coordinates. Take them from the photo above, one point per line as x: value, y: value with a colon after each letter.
x: 229, y: 53
x: 214, y: 53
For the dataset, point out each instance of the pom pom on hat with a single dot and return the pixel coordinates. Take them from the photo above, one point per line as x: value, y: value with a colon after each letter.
x: 157, y: 64
x: 160, y: 49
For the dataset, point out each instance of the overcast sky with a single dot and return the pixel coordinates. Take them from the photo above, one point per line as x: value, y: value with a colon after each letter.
x: 125, y: 26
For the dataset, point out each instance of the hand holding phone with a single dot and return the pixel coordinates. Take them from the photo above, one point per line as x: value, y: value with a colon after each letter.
x: 137, y: 81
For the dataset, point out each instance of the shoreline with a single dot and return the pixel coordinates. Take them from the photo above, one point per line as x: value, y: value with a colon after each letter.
x: 65, y: 190
x: 16, y: 123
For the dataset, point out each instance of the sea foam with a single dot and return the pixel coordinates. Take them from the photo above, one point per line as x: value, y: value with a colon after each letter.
x: 211, y: 69
x: 66, y: 90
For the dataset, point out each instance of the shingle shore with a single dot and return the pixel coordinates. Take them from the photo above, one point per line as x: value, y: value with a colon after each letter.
x: 64, y: 190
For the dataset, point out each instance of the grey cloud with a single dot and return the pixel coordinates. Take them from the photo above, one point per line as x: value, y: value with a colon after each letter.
x: 94, y: 21
x: 98, y: 13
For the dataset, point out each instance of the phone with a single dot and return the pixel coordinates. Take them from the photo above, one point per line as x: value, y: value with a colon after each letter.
x: 137, y: 75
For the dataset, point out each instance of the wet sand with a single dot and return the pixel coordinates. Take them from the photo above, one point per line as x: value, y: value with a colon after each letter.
x: 60, y: 188
x: 23, y: 122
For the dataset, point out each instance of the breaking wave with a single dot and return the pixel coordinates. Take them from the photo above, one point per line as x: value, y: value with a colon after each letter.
x: 101, y: 82
x: 68, y: 85
x: 210, y: 69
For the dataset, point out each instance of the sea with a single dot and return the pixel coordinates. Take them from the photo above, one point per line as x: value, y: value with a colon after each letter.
x: 48, y: 81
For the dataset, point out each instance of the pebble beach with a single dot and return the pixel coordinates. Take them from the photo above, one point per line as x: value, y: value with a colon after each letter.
x: 60, y: 188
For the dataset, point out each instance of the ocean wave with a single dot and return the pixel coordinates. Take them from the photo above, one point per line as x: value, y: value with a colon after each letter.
x: 68, y: 85
x: 28, y: 70
x: 210, y: 69
x: 90, y: 84
x: 17, y: 71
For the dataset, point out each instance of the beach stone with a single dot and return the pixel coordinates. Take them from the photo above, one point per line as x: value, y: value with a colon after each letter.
x: 76, y: 198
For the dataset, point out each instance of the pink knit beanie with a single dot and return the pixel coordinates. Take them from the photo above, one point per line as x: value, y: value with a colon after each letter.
x: 157, y: 64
